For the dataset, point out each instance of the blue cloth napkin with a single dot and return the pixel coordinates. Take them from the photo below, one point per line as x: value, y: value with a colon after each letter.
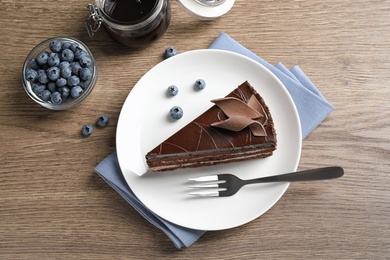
x: 312, y: 109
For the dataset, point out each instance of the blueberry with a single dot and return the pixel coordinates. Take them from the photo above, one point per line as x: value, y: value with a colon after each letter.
x: 66, y: 72
x: 53, y: 73
x: 38, y: 88
x: 55, y: 46
x: 85, y: 74
x: 45, y: 95
x: 53, y: 60
x: 52, y: 86
x: 31, y: 75
x: 84, y: 84
x: 56, y: 98
x: 73, y: 81
x: 200, y: 84
x: 176, y: 112
x: 76, y: 91
x: 67, y: 55
x: 65, y: 92
x: 79, y: 53
x: 172, y: 90
x: 102, y: 121
x: 64, y: 64
x: 87, y: 130
x: 85, y: 61
x: 42, y: 57
x: 34, y: 64
x: 65, y: 45
x: 169, y: 52
x: 61, y: 82
x: 42, y: 77
x: 74, y: 46
x: 75, y: 66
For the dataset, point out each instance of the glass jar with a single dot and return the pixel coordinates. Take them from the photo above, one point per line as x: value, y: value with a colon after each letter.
x: 133, y: 23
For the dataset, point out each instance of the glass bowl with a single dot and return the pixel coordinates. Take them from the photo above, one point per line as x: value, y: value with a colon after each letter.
x: 37, y: 87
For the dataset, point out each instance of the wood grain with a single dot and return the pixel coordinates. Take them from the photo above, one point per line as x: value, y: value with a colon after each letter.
x: 53, y: 205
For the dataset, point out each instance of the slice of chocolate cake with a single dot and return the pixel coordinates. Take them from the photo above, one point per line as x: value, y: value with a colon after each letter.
x: 238, y: 127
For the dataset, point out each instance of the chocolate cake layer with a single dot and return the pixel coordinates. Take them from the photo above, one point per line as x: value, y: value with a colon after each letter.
x: 200, y: 144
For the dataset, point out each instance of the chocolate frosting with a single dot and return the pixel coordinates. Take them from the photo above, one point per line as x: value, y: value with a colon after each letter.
x: 241, y: 119
x: 204, y: 133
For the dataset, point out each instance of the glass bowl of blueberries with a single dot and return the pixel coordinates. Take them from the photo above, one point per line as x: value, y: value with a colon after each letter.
x: 59, y: 73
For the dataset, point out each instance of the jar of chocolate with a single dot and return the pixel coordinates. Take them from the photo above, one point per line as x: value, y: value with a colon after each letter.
x: 133, y: 23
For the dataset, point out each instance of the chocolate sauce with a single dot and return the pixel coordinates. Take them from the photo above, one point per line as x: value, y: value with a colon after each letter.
x: 135, y: 23
x: 128, y: 11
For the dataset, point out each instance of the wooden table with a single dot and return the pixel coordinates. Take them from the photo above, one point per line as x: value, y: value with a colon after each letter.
x: 54, y: 206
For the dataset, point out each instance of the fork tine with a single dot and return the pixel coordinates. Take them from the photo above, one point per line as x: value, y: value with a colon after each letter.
x: 205, y: 193
x: 205, y: 178
x: 205, y: 185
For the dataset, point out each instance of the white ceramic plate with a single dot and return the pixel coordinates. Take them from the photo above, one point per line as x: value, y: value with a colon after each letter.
x: 143, y: 124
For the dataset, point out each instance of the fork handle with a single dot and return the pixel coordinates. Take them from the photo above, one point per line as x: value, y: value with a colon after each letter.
x: 318, y: 174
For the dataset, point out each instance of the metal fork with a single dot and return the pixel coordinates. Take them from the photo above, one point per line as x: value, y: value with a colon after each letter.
x: 228, y: 184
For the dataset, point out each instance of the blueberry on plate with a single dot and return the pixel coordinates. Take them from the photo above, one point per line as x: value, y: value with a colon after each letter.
x: 87, y: 130
x: 172, y: 90
x: 176, y: 112
x: 170, y: 52
x: 200, y: 84
x: 102, y: 121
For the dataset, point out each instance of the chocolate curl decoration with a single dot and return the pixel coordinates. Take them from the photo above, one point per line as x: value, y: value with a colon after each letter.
x: 241, y: 115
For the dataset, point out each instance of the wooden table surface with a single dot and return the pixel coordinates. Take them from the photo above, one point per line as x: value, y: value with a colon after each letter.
x: 54, y: 206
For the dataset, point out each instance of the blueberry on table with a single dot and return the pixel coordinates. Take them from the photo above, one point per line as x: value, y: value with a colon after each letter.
x: 200, y: 84
x: 87, y: 130
x: 172, y: 90
x: 176, y: 112
x: 56, y: 98
x: 169, y: 52
x: 102, y: 121
x: 55, y: 46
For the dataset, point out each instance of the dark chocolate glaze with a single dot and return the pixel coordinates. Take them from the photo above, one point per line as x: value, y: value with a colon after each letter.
x: 198, y: 143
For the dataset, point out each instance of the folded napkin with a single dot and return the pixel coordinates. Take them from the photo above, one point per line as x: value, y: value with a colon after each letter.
x: 312, y: 109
